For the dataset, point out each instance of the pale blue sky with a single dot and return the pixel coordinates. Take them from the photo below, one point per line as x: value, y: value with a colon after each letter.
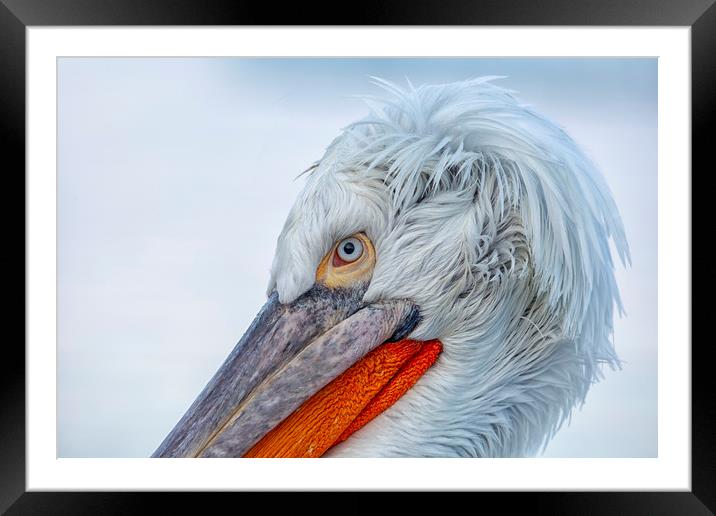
x: 175, y: 176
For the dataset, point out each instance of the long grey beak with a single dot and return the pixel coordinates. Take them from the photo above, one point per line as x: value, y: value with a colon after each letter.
x: 289, y: 353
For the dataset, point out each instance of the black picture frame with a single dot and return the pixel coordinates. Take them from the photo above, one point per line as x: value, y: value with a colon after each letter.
x: 17, y: 15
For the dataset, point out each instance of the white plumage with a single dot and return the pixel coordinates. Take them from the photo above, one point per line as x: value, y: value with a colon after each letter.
x: 492, y: 220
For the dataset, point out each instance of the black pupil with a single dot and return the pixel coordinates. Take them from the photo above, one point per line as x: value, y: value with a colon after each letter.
x: 348, y: 248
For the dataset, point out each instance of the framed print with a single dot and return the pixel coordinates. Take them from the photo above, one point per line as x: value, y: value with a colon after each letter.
x: 471, y: 242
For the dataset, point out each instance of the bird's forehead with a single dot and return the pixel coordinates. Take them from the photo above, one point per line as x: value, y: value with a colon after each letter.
x: 409, y: 239
x: 330, y: 207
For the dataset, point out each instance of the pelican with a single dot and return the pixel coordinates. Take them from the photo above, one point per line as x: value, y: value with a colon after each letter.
x: 443, y: 286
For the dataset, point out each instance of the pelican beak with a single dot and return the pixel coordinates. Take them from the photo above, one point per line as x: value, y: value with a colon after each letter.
x: 288, y: 355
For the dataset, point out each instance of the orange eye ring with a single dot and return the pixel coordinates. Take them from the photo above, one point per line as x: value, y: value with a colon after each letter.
x: 350, y: 261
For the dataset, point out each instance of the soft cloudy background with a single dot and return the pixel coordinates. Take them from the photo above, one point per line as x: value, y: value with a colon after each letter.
x: 174, y: 179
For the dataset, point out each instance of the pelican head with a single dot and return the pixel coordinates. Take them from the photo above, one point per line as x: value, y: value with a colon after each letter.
x: 443, y: 286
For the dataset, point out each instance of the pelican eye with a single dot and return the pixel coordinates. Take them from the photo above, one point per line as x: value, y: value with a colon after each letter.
x: 350, y: 249
x: 349, y: 262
